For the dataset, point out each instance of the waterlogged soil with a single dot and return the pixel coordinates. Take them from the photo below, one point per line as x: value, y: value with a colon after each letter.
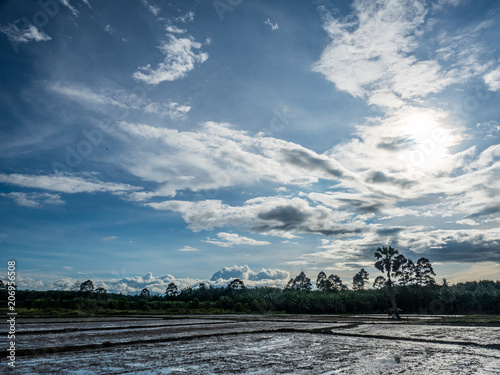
x: 254, y: 344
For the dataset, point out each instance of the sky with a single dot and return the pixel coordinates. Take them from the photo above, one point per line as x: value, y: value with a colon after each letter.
x: 146, y: 142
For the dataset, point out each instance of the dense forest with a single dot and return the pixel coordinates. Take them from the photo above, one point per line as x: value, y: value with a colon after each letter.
x: 409, y: 286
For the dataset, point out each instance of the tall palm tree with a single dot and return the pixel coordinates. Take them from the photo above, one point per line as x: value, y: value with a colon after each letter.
x: 390, y: 262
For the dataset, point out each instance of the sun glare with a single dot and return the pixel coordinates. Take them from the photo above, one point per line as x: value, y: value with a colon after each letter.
x: 428, y: 140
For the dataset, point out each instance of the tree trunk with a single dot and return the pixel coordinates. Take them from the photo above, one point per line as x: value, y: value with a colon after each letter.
x: 392, y: 296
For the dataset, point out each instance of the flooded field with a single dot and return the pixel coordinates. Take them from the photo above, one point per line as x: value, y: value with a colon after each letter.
x: 254, y: 344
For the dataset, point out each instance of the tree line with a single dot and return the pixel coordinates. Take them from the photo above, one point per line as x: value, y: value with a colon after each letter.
x: 406, y: 285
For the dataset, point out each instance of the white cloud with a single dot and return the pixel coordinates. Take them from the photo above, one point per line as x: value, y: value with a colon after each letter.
x: 123, y: 101
x: 188, y: 249
x: 86, y: 2
x: 110, y: 30
x: 29, y: 34
x: 188, y: 17
x: 467, y: 222
x: 64, y: 184
x: 88, y: 96
x: 369, y: 54
x: 70, y: 7
x: 230, y: 239
x: 245, y: 274
x: 276, y: 216
x: 170, y: 109
x: 218, y: 156
x: 109, y: 238
x: 175, y: 30
x: 492, y: 79
x: 152, y: 8
x: 158, y: 284
x: 34, y: 200
x: 414, y: 242
x: 180, y: 58
x: 274, y: 26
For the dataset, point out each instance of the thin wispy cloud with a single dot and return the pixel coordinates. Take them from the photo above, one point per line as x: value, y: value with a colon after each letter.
x: 274, y: 26
x: 370, y: 54
x: 64, y: 184
x: 185, y: 18
x: 109, y: 238
x: 155, y: 10
x: 68, y: 5
x: 110, y: 30
x: 34, y: 200
x: 24, y: 35
x: 86, y: 2
x: 181, y: 56
x: 230, y: 239
x: 175, y: 30
x: 188, y: 249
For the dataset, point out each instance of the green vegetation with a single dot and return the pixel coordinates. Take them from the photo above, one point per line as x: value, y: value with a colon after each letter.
x: 463, y: 298
x: 407, y: 285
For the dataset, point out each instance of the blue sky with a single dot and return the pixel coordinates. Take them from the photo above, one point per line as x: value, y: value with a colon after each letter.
x: 144, y: 142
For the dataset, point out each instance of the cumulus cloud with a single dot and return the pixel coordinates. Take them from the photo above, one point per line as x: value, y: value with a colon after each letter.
x: 181, y: 56
x: 24, y: 35
x: 245, y: 274
x: 230, y: 239
x: 158, y: 284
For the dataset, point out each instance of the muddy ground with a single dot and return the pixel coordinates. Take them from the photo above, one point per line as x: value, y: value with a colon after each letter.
x: 253, y: 344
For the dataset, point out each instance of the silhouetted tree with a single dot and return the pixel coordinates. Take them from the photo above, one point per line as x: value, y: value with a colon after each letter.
x: 335, y: 283
x: 390, y: 262
x: 101, y: 290
x: 87, y: 286
x: 332, y: 282
x: 424, y: 272
x: 75, y: 287
x: 359, y: 280
x: 172, y: 290
x: 379, y: 282
x: 320, y: 281
x: 236, y: 284
x: 301, y: 282
x: 408, y: 273
x: 145, y: 293
x: 2, y: 285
